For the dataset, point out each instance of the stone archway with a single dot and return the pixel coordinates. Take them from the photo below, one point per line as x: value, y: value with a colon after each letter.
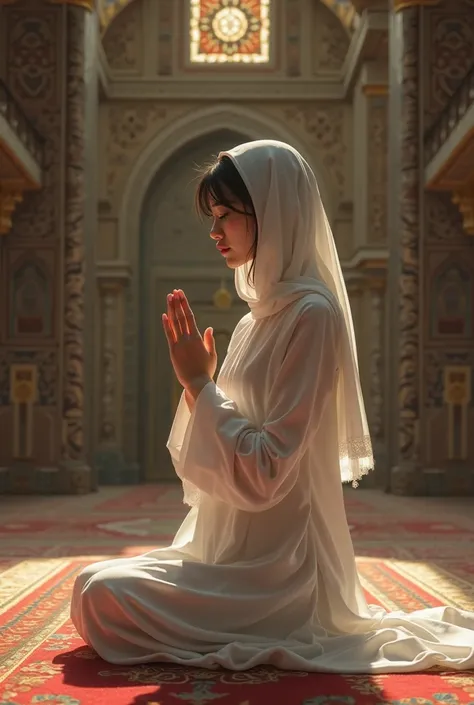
x: 193, y: 125
x: 160, y: 150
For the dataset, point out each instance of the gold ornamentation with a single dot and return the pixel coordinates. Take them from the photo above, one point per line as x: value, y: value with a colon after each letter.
x: 464, y: 200
x: 457, y: 396
x: 23, y: 394
x: 222, y: 297
x: 23, y: 384
x: 375, y: 89
x: 10, y: 196
x: 457, y: 385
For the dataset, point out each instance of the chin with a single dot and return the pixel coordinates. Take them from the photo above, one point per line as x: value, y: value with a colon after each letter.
x: 234, y: 262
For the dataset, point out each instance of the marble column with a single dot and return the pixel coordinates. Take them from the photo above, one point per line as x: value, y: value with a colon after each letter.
x: 405, y: 231
x: 77, y: 475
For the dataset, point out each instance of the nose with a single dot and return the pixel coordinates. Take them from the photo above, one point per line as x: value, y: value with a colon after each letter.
x: 216, y: 230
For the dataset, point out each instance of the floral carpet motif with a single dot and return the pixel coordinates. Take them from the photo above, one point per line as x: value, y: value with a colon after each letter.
x: 416, y: 554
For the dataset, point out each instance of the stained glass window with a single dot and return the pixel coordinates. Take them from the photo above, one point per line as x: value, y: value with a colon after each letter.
x: 229, y: 31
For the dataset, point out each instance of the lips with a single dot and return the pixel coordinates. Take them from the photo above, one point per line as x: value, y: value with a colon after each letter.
x: 223, y: 250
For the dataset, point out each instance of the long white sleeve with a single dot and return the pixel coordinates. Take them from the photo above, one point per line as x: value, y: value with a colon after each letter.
x: 225, y: 456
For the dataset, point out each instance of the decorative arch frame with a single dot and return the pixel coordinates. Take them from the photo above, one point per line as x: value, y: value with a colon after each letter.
x: 147, y: 165
x: 343, y: 9
x: 189, y: 128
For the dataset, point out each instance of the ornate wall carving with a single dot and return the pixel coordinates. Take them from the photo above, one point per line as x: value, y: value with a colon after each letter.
x: 31, y: 295
x: 130, y: 126
x: 47, y: 364
x: 34, y: 71
x: 45, y: 251
x: 123, y: 43
x: 435, y: 328
x: 444, y: 223
x: 73, y: 321
x: 448, y: 298
x: 408, y: 347
x: 323, y: 128
x: 449, y: 37
x: 377, y: 129
x: 448, y: 331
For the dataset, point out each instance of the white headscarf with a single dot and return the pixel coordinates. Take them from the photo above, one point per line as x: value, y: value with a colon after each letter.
x: 296, y: 255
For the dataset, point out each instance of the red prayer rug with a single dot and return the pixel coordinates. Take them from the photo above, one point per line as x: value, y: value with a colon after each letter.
x: 42, y: 659
x: 412, y: 553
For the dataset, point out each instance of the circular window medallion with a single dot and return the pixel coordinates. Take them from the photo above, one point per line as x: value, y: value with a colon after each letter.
x: 230, y: 24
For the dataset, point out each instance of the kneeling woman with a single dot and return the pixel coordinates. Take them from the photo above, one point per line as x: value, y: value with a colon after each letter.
x: 262, y: 570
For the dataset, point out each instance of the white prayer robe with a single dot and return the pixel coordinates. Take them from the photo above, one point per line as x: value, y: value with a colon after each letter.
x: 263, y: 570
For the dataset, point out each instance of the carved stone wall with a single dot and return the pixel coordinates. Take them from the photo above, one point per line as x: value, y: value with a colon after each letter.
x: 31, y: 317
x: 128, y: 127
x: 447, y: 295
x: 449, y: 45
x: 377, y: 130
x: 447, y: 300
x: 435, y: 333
x: 42, y: 295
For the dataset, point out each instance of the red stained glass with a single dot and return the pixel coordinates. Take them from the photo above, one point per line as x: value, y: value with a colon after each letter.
x: 230, y: 31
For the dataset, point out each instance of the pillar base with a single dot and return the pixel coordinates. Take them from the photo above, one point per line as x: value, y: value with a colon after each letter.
x: 112, y: 468
x: 377, y: 478
x: 453, y: 480
x: 70, y: 478
x: 407, y: 480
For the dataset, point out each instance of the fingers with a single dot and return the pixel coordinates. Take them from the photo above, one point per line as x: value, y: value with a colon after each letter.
x: 175, y: 316
x: 180, y: 317
x: 188, y: 314
x: 168, y: 330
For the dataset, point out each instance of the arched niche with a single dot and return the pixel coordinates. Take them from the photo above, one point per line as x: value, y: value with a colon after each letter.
x: 160, y: 149
x: 145, y: 170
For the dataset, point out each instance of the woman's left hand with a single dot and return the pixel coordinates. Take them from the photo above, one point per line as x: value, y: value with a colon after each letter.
x: 193, y: 356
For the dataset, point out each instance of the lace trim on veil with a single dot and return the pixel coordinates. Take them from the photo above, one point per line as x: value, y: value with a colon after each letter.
x: 356, y: 459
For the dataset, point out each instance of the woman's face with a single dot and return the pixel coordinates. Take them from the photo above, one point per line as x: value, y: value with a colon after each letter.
x: 233, y: 232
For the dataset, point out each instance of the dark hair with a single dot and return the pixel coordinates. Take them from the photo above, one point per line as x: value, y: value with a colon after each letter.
x: 217, y: 181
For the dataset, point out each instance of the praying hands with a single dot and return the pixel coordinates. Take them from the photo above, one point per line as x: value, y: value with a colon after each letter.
x: 193, y: 356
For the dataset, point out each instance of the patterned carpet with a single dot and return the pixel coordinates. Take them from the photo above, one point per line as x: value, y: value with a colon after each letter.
x: 412, y: 553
